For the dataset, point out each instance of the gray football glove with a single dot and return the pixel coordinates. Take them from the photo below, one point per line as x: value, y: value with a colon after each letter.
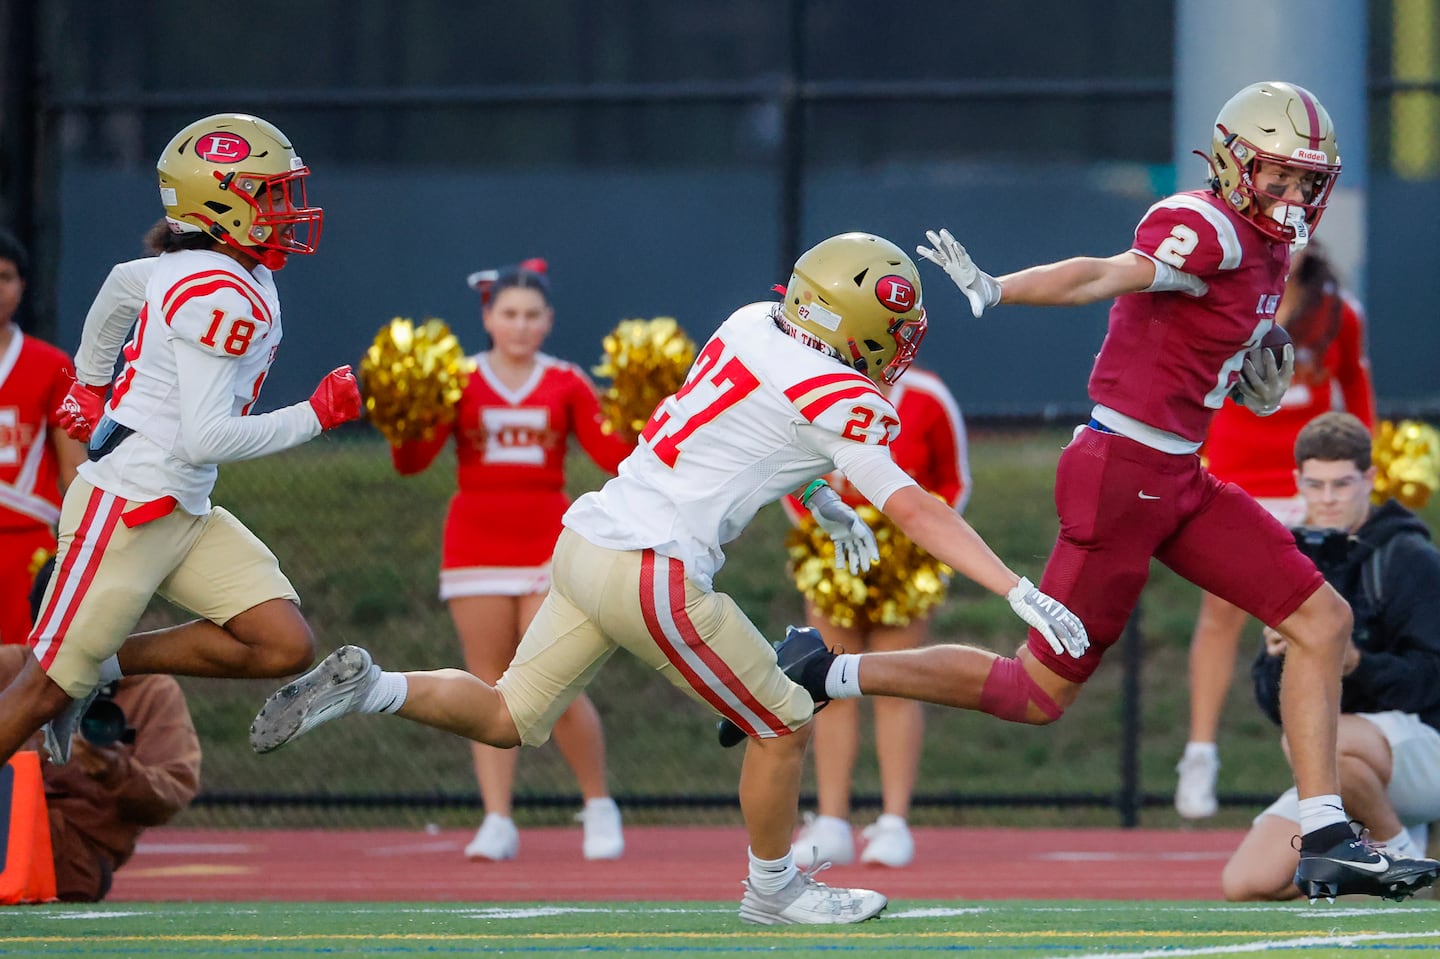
x: 1061, y: 628
x: 1262, y: 384
x: 979, y: 287
x: 855, y: 546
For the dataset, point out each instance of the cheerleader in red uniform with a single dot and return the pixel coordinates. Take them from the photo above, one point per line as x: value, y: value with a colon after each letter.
x: 512, y: 427
x: 1256, y: 453
x: 931, y: 448
x: 37, y: 459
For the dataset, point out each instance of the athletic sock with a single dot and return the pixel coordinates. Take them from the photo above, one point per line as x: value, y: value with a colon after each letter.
x: 1401, y: 846
x: 387, y: 695
x: 771, y: 875
x: 843, y: 679
x: 1194, y: 750
x: 1323, y: 823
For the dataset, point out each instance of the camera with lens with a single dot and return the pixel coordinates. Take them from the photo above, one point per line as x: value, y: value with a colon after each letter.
x: 1328, y: 549
x: 104, y: 722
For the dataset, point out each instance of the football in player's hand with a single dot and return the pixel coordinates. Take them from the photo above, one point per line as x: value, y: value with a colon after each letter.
x: 1275, y: 341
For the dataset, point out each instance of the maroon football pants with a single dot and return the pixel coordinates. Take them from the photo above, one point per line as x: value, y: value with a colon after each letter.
x: 1122, y: 503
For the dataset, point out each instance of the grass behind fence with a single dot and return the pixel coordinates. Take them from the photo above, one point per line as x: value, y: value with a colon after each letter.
x: 361, y: 545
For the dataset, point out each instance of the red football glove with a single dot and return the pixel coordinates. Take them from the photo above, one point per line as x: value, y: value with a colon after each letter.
x: 79, y: 412
x: 337, y: 399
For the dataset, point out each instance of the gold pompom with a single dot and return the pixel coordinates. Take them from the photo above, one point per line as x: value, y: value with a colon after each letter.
x: 1407, y: 462
x: 38, y: 559
x: 645, y: 361
x: 906, y: 584
x: 412, y: 378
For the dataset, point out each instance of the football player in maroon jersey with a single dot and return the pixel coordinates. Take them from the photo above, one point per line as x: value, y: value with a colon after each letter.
x: 1194, y: 295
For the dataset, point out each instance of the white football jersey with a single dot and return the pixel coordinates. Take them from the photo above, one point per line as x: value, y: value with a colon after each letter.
x: 759, y: 416
x: 229, y: 320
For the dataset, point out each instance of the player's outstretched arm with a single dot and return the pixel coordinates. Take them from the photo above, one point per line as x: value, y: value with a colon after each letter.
x: 1079, y: 280
x: 946, y: 536
x: 210, y: 432
x: 941, y: 532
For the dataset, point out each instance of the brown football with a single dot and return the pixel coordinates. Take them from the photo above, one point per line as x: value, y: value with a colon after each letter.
x: 1275, y: 341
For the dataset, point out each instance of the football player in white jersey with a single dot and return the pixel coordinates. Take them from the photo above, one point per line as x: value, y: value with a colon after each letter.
x: 138, y: 521
x: 781, y: 394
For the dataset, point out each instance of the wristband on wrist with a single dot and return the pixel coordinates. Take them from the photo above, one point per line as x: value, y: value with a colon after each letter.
x: 814, y: 487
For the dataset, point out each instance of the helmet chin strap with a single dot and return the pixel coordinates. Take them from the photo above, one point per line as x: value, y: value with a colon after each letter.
x: 857, y: 361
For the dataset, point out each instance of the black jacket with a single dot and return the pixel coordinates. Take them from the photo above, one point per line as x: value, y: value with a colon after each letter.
x: 1397, y: 632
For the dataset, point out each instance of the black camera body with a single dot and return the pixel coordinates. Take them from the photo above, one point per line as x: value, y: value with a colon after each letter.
x: 104, y: 722
x: 1328, y: 549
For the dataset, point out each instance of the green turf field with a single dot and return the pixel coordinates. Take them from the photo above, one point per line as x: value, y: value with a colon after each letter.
x: 980, y: 930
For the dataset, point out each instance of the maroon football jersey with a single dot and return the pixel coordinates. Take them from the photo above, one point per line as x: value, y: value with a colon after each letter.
x: 1170, y: 358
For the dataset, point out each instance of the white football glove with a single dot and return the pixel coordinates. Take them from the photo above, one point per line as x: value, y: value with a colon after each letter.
x: 1061, y: 628
x: 1262, y: 384
x: 855, y: 546
x: 979, y: 287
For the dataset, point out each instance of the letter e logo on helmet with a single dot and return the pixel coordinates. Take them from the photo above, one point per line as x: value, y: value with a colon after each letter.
x: 895, y: 293
x: 222, y: 148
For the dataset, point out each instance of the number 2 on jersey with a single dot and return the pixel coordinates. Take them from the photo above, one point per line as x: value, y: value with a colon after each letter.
x: 733, y: 380
x: 1177, y: 246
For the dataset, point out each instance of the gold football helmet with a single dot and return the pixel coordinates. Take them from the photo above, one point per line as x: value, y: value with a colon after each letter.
x: 1278, y: 123
x: 237, y: 178
x: 859, y: 296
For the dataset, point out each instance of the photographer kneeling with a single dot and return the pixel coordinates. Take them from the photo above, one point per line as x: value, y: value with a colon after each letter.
x: 1382, y: 561
x: 135, y: 764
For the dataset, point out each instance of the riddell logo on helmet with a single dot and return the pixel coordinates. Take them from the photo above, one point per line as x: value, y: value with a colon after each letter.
x: 222, y: 148
x: 895, y: 293
x: 1312, y: 156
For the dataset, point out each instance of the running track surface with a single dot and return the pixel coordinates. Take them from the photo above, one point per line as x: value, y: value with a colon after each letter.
x: 660, y: 863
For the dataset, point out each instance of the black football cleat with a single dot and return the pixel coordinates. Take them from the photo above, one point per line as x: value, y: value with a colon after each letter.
x: 1356, y: 867
x: 804, y: 658
x: 729, y: 734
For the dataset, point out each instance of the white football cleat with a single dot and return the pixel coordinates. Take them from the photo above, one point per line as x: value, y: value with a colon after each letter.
x: 1195, y: 790
x: 496, y: 840
x: 823, y: 839
x: 888, y: 842
x: 604, y: 838
x: 335, y: 687
x: 807, y: 902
